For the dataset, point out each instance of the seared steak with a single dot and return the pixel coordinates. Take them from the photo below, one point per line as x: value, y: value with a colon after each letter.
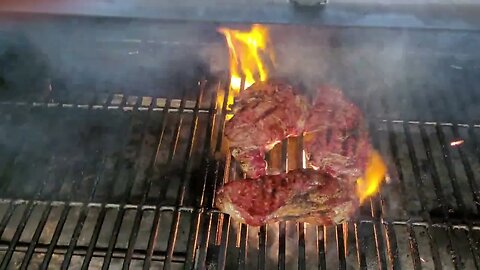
x: 336, y: 139
x: 337, y: 145
x: 303, y: 195
x: 264, y: 114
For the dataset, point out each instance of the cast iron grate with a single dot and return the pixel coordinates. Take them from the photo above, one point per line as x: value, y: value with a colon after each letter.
x: 130, y: 181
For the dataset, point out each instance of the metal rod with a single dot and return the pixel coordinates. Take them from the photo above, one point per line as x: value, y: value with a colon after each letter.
x: 7, y: 178
x: 156, y: 220
x: 420, y: 188
x: 302, y: 264
x: 218, y: 178
x: 458, y: 98
x: 120, y: 163
x: 40, y: 226
x: 359, y: 245
x: 99, y: 165
x: 29, y: 209
x: 441, y: 198
x: 399, y: 173
x: 377, y: 213
x: 63, y: 218
x: 185, y: 178
x: 456, y: 191
x: 262, y: 247
x: 242, y: 254
x: 342, y: 263
x: 99, y: 252
x: 468, y: 171
x: 128, y: 191
x: 195, y: 223
x: 145, y: 190
x: 224, y: 243
x: 21, y: 226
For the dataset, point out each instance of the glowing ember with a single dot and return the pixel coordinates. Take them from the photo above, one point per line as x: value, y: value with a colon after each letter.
x: 247, y: 49
x: 373, y: 178
x: 456, y: 143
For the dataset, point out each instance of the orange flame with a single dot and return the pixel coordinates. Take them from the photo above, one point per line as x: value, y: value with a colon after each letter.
x: 246, y: 52
x: 375, y: 173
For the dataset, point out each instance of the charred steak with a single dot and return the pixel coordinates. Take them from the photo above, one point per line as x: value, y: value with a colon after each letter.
x: 264, y: 114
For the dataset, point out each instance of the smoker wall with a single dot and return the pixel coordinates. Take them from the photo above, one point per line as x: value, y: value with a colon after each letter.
x: 401, y: 74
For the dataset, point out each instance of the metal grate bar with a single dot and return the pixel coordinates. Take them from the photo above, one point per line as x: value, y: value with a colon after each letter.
x: 217, y: 176
x: 119, y: 163
x: 223, y: 222
x: 202, y: 223
x: 127, y: 194
x: 442, y: 201
x: 100, y: 219
x: 186, y: 177
x: 457, y: 193
x: 420, y: 187
x: 99, y: 252
x: 262, y: 247
x: 147, y: 180
x: 362, y: 262
x: 392, y: 247
x: 242, y: 256
x: 136, y: 144
x: 413, y: 244
x: 468, y: 171
x: 100, y: 171
x: 26, y: 214
x: 171, y: 155
x: 301, y: 247
x: 342, y: 264
x: 195, y: 225
x: 452, y: 175
x: 62, y: 221
x: 29, y: 208
x: 156, y: 222
x: 224, y: 242
x: 6, y: 177
x: 110, y: 102
x: 147, y: 183
x: 376, y: 213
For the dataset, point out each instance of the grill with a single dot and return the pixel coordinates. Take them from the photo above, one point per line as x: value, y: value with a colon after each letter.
x: 114, y: 179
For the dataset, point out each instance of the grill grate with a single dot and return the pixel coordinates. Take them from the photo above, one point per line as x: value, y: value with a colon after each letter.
x: 130, y: 182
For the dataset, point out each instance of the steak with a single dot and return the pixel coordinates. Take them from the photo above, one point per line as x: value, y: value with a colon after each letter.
x: 336, y: 138
x: 264, y: 114
x: 303, y: 195
x: 336, y: 143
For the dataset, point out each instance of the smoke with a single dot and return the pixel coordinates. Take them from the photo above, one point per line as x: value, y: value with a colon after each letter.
x: 88, y: 56
x: 97, y: 55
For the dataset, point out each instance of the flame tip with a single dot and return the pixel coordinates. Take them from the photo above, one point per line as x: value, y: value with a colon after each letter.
x: 246, y: 49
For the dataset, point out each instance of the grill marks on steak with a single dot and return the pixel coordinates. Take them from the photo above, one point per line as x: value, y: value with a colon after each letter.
x: 301, y: 195
x: 264, y: 114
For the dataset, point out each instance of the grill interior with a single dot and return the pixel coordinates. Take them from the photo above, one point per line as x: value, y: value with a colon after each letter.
x: 116, y: 178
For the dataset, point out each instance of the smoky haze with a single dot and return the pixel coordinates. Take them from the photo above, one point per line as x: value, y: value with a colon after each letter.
x: 79, y: 55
